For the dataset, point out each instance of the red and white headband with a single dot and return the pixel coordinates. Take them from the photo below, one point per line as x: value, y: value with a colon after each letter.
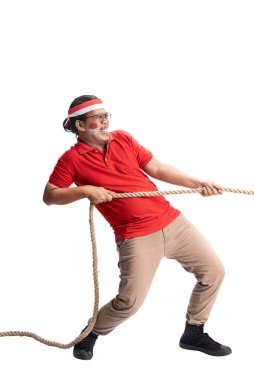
x: 85, y: 107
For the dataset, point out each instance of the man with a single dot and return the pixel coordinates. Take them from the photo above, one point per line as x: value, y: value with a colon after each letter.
x: 146, y: 229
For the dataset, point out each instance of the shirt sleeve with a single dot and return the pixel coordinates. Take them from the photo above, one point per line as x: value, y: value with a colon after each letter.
x: 143, y: 155
x: 61, y: 175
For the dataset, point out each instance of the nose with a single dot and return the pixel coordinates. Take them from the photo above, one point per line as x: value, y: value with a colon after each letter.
x: 104, y: 120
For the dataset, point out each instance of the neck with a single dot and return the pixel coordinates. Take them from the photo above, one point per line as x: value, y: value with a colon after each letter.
x: 101, y: 147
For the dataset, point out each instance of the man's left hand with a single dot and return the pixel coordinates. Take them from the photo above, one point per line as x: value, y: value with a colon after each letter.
x: 210, y: 188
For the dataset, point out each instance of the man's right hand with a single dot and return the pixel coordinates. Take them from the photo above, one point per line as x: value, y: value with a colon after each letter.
x: 98, y: 194
x: 62, y: 196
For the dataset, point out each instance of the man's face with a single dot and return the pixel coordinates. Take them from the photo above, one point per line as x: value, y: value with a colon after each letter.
x: 96, y: 124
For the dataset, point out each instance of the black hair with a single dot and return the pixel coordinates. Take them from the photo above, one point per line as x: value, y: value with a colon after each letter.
x: 69, y: 125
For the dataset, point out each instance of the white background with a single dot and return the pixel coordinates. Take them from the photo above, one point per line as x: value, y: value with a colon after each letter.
x: 178, y: 75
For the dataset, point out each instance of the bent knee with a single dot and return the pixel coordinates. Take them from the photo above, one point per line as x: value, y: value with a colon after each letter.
x: 219, y: 273
x: 127, y: 306
x: 214, y: 275
x: 222, y: 272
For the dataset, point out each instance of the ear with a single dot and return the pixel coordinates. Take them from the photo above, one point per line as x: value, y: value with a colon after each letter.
x: 79, y: 125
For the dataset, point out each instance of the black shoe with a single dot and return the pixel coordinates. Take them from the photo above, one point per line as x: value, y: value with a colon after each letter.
x: 84, y: 349
x: 194, y: 338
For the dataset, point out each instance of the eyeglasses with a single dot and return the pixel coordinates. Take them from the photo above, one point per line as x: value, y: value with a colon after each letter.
x: 101, y: 117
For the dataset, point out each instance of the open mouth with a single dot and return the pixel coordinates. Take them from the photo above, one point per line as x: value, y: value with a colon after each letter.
x: 104, y: 131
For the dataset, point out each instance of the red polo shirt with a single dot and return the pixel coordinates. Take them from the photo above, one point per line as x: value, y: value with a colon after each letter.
x: 119, y: 170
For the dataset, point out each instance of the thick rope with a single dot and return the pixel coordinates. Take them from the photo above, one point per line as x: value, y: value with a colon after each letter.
x: 95, y: 270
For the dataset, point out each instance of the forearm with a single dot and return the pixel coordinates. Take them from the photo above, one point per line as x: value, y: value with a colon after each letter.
x: 63, y: 196
x: 174, y: 176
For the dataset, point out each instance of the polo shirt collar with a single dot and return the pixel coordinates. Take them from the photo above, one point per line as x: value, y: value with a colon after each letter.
x: 83, y: 148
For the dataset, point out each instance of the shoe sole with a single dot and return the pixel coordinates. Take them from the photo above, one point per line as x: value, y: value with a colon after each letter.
x: 205, y: 351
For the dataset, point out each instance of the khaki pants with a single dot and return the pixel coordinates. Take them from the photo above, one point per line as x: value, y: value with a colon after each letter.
x: 138, y: 260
